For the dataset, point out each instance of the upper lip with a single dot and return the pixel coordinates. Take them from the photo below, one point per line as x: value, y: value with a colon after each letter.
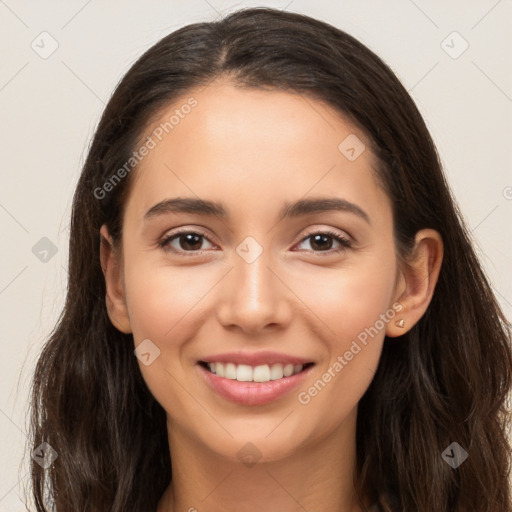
x: 255, y: 358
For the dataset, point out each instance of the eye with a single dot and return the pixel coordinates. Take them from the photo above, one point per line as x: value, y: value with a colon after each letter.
x: 187, y: 241
x: 191, y: 242
x: 321, y: 241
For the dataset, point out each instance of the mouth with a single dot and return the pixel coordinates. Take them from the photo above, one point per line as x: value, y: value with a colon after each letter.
x: 261, y: 373
x: 253, y: 385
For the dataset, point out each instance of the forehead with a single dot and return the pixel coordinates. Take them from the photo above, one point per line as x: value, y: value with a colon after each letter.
x: 252, y: 147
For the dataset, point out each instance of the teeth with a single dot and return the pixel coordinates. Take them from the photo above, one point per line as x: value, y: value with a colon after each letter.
x: 261, y: 373
x: 218, y: 368
x: 230, y: 371
x: 246, y: 373
x: 276, y: 372
x: 288, y: 370
x: 243, y: 373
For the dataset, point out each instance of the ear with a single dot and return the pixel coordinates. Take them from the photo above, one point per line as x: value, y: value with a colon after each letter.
x: 417, y: 281
x: 112, y: 270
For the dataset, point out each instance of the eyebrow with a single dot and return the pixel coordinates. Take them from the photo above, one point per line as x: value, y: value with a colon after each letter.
x: 294, y: 209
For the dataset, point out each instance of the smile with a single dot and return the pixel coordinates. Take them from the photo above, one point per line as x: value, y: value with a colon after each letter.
x: 253, y: 385
x: 260, y: 373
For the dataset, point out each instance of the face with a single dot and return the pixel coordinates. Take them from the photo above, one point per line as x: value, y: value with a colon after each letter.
x: 264, y: 279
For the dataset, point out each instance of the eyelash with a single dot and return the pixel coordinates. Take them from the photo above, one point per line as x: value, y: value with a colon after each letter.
x: 345, y: 242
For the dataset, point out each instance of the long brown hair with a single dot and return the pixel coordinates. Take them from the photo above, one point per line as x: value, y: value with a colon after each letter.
x: 444, y: 381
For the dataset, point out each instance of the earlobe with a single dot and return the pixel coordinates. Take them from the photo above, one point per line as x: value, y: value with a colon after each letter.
x: 418, y: 281
x: 112, y: 270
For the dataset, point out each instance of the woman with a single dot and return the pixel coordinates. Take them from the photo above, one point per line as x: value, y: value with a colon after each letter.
x: 273, y: 302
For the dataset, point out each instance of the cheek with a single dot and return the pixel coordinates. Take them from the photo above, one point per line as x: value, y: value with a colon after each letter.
x: 161, y: 301
x: 354, y: 308
x: 159, y: 298
x: 351, y: 299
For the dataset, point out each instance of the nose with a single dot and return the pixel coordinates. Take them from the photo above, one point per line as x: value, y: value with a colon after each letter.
x: 254, y: 297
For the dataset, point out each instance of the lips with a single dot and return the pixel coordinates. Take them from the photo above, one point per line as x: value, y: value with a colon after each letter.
x: 253, y: 379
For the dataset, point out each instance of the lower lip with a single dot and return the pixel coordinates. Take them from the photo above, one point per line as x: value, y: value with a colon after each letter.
x: 253, y: 393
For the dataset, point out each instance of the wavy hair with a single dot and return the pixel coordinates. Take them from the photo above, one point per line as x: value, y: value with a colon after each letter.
x: 445, y: 380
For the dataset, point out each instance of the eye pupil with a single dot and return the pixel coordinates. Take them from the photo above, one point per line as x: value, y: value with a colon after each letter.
x: 318, y: 237
x: 191, y: 240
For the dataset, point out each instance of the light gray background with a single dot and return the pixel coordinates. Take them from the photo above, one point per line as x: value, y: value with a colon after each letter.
x: 50, y: 106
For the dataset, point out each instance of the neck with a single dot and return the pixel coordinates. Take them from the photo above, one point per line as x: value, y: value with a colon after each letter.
x: 317, y: 477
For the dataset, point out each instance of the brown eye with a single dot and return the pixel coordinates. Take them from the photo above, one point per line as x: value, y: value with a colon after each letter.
x: 323, y: 242
x: 184, y: 241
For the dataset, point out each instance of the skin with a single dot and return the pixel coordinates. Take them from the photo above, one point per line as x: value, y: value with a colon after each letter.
x: 252, y: 150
